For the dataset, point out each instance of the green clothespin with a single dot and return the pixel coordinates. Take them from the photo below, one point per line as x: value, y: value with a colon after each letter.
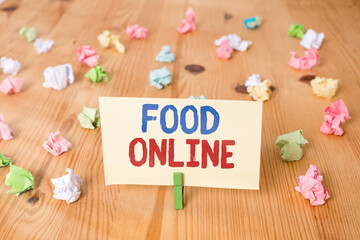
x: 178, y: 191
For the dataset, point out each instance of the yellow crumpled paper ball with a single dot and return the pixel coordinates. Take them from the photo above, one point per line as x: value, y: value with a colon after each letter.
x: 107, y: 39
x: 260, y: 92
x: 324, y: 87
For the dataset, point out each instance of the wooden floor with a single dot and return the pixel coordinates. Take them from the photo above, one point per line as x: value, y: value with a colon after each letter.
x: 276, y: 211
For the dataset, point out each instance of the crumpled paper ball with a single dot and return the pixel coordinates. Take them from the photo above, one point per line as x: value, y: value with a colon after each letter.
x: 335, y: 115
x: 261, y: 92
x: 324, y: 87
x: 311, y: 188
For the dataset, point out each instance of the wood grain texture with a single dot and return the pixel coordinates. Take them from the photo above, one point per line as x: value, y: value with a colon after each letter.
x: 277, y: 211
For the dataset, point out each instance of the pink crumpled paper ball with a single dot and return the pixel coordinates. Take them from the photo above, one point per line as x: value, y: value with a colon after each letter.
x: 56, y: 146
x: 335, y: 115
x: 224, y: 51
x: 136, y: 31
x: 188, y: 23
x: 5, y: 132
x: 311, y: 188
x: 309, y: 60
x: 87, y: 55
x: 11, y: 85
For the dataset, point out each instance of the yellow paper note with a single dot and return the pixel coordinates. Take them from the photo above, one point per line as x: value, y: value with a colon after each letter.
x: 214, y: 143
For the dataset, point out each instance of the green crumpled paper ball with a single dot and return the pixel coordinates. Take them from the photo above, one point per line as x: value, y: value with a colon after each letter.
x: 19, y: 180
x: 96, y: 74
x: 291, y: 145
x: 28, y: 33
x: 4, y: 161
x: 89, y: 118
x: 296, y: 30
